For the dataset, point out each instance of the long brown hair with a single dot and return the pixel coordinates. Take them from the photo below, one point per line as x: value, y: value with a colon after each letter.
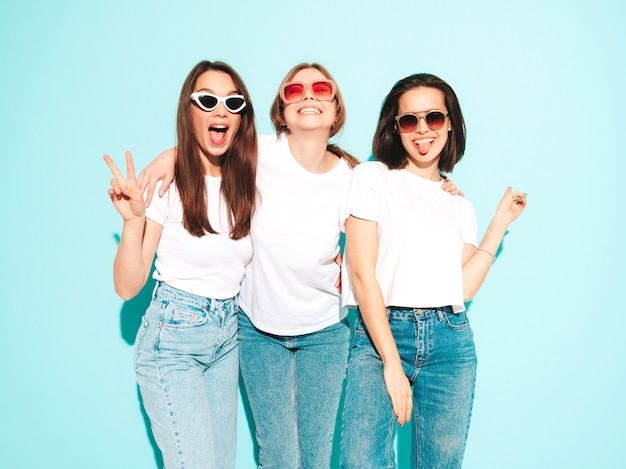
x: 277, y: 111
x: 238, y: 185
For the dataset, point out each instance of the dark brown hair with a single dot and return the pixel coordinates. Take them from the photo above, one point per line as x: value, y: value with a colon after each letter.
x: 387, y: 146
x: 277, y: 111
x: 238, y: 185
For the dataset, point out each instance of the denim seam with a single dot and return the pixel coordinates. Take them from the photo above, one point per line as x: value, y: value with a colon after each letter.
x: 391, y: 434
x: 294, y: 396
x: 172, y: 417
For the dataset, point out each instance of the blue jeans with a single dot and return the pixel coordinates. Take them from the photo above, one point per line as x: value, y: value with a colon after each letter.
x: 438, y: 356
x: 294, y: 385
x: 186, y: 359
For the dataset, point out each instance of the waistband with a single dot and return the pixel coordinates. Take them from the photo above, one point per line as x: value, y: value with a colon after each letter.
x: 167, y: 292
x: 443, y: 309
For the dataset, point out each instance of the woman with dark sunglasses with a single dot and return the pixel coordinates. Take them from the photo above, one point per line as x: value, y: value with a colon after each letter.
x: 186, y: 352
x: 412, y: 261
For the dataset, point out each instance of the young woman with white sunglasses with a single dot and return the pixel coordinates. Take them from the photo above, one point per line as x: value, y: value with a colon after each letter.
x: 186, y: 352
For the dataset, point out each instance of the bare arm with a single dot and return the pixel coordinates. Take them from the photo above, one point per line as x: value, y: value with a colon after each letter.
x: 361, y: 253
x: 159, y: 169
x: 140, y: 236
x: 476, y: 263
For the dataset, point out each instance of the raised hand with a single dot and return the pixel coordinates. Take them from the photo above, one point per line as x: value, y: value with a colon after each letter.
x: 511, y: 205
x: 125, y: 192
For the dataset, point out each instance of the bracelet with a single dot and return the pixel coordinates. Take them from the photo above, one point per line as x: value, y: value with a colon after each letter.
x: 487, y: 252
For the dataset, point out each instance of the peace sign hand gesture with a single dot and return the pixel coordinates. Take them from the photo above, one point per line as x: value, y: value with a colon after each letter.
x: 124, y: 192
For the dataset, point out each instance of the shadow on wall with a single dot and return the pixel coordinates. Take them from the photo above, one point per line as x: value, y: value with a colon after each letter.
x: 130, y: 320
x: 133, y: 310
x: 336, y: 454
x: 158, y: 459
x: 248, y: 411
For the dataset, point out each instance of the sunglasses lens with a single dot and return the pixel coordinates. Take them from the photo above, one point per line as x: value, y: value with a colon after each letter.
x: 293, y: 91
x: 407, y: 122
x: 322, y: 89
x: 208, y: 101
x: 234, y: 103
x: 435, y: 120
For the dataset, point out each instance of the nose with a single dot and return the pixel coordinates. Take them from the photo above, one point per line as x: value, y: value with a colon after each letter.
x: 422, y: 127
x: 220, y: 110
x: 308, y: 93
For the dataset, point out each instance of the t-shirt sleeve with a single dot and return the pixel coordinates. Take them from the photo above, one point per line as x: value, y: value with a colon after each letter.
x: 363, y: 199
x: 158, y: 209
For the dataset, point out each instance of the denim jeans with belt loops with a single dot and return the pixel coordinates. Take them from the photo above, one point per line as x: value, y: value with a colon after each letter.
x: 294, y: 385
x: 438, y: 356
x: 186, y: 359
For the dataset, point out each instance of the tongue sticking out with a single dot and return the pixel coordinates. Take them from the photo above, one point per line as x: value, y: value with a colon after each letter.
x: 423, y: 145
x: 217, y: 135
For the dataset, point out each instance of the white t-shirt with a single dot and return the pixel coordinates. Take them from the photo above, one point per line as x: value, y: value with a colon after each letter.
x: 211, y: 266
x: 421, y: 233
x: 289, y: 286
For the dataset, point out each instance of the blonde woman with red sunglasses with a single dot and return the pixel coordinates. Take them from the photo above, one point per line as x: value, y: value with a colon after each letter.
x: 294, y: 337
x: 293, y: 334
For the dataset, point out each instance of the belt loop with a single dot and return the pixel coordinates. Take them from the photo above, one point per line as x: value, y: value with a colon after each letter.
x: 440, y: 313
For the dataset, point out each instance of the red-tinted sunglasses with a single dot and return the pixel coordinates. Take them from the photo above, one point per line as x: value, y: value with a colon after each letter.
x: 408, y: 122
x: 322, y: 90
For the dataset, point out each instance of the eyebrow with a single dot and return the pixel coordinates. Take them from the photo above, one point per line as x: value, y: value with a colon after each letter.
x: 209, y: 90
x: 422, y: 112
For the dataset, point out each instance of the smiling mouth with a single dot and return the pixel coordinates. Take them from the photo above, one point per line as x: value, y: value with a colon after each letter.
x: 423, y: 140
x: 309, y: 110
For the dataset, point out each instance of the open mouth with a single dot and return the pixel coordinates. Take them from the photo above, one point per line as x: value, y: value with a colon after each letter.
x: 217, y: 134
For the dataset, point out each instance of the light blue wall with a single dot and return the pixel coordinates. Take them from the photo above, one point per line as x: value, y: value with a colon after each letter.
x: 542, y: 88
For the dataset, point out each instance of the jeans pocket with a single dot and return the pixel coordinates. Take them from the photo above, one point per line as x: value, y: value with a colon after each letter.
x: 456, y: 321
x: 359, y: 327
x: 179, y: 315
x: 141, y: 335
